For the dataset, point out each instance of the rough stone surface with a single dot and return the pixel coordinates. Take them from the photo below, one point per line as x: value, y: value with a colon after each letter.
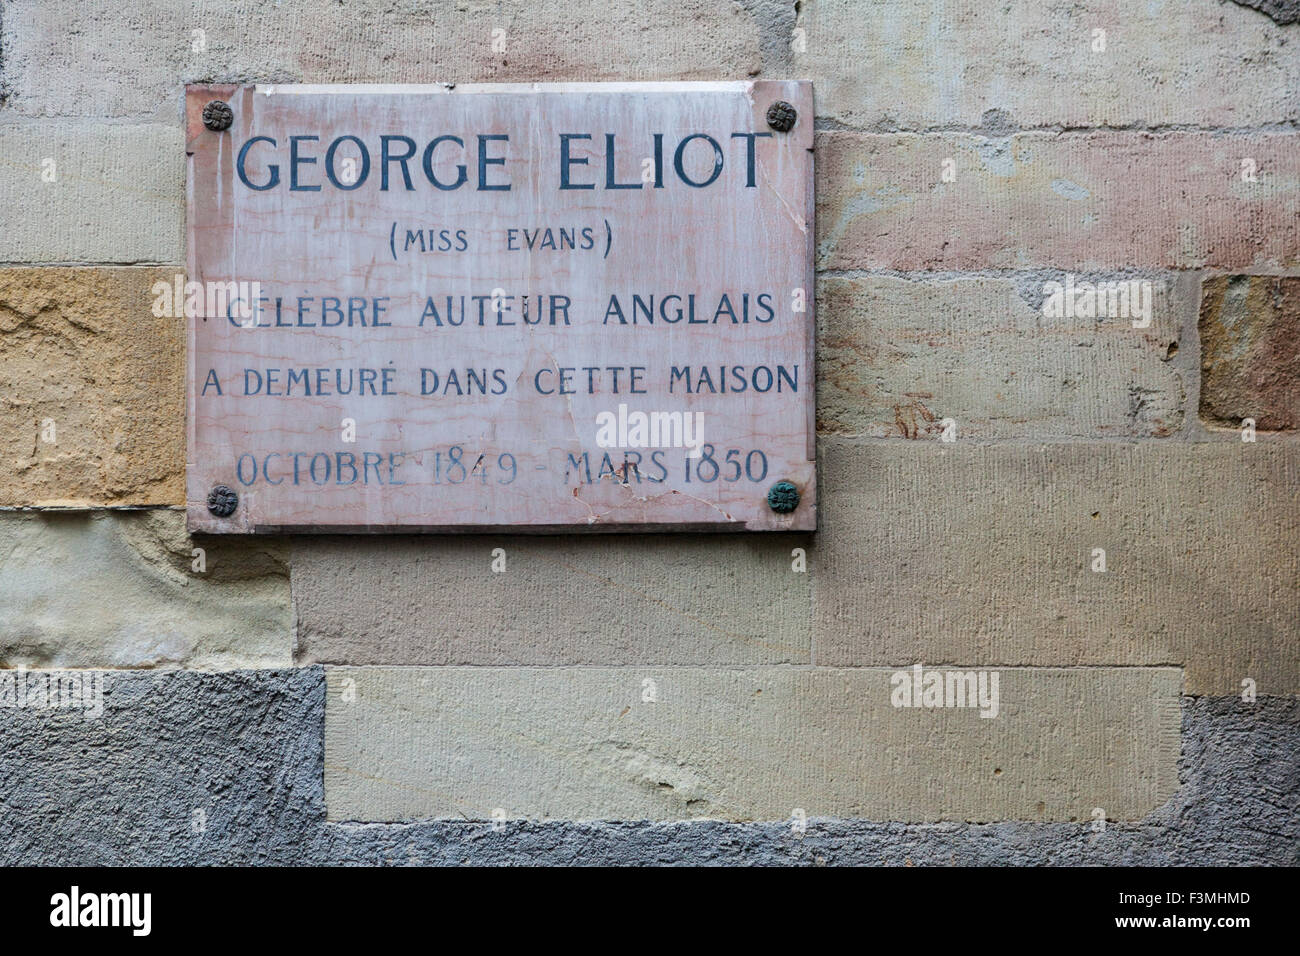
x: 922, y: 64
x: 131, y: 59
x: 899, y: 356
x: 84, y: 362
x: 246, y: 749
x: 1250, y: 351
x: 1282, y: 11
x: 982, y: 556
x: 119, y: 589
x: 117, y: 194
x: 1095, y: 201
x: 654, y: 599
x: 742, y: 744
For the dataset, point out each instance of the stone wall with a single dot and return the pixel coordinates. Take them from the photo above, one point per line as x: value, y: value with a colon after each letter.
x: 690, y: 697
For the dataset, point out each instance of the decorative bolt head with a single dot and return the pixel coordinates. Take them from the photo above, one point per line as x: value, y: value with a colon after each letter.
x: 783, y: 497
x: 781, y: 116
x: 218, y: 115
x: 222, y: 501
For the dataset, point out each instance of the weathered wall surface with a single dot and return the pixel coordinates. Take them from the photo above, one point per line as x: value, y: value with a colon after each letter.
x: 250, y: 745
x: 692, y: 698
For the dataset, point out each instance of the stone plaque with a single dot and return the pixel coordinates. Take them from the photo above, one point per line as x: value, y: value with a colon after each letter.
x: 543, y: 307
